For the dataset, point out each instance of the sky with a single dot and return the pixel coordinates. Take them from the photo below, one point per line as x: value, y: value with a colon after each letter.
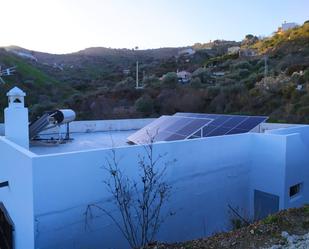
x: 64, y: 26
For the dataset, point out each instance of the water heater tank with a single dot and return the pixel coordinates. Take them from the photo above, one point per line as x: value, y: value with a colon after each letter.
x: 63, y: 116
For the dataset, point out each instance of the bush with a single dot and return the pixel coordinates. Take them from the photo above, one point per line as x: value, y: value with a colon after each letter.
x: 170, y: 80
x: 270, y: 219
x: 144, y: 104
x: 203, y: 74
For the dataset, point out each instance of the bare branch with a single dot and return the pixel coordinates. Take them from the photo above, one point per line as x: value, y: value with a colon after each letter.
x: 140, y: 203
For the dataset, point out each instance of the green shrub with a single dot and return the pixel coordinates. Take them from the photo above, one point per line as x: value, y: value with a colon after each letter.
x: 170, y: 80
x: 270, y: 219
x: 144, y: 104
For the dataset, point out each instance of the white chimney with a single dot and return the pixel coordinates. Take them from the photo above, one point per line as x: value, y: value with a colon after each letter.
x: 16, y: 118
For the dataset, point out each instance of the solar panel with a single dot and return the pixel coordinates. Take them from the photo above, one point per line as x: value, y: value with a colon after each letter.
x: 169, y: 128
x: 226, y: 124
x: 182, y: 126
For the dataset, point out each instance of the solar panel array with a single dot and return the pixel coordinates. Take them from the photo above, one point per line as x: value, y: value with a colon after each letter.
x: 194, y: 125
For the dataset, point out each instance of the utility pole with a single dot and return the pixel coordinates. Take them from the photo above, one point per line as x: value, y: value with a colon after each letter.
x: 137, y: 84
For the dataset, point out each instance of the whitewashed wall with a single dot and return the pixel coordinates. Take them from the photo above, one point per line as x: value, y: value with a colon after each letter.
x: 209, y: 174
x: 297, y: 166
x: 16, y: 167
x: 268, y: 161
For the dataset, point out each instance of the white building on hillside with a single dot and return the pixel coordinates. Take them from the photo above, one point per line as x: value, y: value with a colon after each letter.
x: 184, y: 76
x: 288, y: 25
x: 47, y: 185
x: 233, y: 50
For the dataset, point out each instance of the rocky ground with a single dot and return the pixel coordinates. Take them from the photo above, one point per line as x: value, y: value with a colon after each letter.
x: 285, y: 230
x: 293, y: 241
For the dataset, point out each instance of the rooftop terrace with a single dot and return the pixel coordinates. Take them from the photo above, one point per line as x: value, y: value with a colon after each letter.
x: 84, y: 141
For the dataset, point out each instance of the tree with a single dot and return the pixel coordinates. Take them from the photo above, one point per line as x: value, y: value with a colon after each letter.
x: 170, y: 80
x: 139, y: 203
x: 144, y: 104
x: 249, y: 37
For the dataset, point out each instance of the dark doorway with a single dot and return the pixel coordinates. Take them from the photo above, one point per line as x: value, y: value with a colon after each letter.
x: 265, y: 204
x: 6, y: 229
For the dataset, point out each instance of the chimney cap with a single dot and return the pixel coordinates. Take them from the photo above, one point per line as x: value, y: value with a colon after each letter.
x: 15, y: 91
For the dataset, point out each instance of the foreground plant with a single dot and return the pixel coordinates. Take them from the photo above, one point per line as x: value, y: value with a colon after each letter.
x: 139, y: 203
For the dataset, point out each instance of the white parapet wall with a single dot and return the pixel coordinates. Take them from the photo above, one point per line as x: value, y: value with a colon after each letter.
x: 103, y: 125
x: 133, y: 124
x: 98, y: 125
x: 17, y: 198
x: 65, y: 184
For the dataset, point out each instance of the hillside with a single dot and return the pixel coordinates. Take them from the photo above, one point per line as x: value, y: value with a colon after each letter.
x: 98, y: 83
x: 43, y: 91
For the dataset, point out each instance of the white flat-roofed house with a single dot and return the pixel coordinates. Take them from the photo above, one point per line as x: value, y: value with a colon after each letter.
x: 45, y: 190
x: 233, y: 50
x: 218, y: 74
x: 184, y: 76
x: 288, y: 25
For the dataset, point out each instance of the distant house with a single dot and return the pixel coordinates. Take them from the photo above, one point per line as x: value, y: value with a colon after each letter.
x: 186, y: 52
x: 247, y: 52
x: 183, y: 77
x: 218, y: 74
x: 287, y: 26
x: 233, y: 50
